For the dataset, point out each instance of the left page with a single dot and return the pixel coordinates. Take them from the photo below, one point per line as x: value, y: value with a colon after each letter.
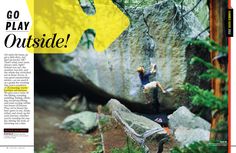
x: 16, y: 77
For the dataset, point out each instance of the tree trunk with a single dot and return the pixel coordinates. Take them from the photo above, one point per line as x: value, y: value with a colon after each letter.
x: 217, y: 33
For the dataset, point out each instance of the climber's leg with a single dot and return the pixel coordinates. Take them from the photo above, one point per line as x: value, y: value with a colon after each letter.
x: 160, y: 86
x: 148, y: 98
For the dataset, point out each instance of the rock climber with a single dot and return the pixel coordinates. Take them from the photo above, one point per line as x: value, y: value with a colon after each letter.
x: 146, y: 84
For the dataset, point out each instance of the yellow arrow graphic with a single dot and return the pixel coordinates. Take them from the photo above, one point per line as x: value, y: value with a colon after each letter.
x: 64, y: 22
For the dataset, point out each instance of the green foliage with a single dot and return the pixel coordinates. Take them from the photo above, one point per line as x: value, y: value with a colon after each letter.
x: 212, y: 72
x: 96, y: 140
x: 202, y: 97
x: 200, y: 147
x: 208, y: 44
x: 76, y: 129
x: 207, y: 98
x: 222, y: 127
x: 105, y: 109
x: 98, y: 149
x: 104, y: 120
x: 49, y: 148
x: 130, y: 147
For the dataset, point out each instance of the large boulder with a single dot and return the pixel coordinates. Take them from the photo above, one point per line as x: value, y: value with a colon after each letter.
x: 186, y: 136
x: 156, y: 34
x: 115, y: 105
x: 188, y: 127
x: 183, y: 117
x: 81, y: 122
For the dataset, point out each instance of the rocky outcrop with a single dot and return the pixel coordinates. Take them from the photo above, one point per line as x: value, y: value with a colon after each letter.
x: 115, y: 105
x: 138, y: 123
x: 187, y: 127
x: 186, y: 136
x: 82, y: 122
x: 183, y: 117
x: 157, y: 34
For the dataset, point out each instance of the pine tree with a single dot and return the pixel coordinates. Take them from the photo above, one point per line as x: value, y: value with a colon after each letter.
x: 207, y: 98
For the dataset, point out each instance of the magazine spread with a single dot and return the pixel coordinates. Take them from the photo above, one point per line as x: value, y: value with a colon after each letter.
x: 117, y: 76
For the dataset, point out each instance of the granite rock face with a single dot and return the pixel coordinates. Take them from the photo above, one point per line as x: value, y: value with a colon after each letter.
x: 157, y: 34
x: 186, y: 136
x: 183, y: 117
x: 187, y: 127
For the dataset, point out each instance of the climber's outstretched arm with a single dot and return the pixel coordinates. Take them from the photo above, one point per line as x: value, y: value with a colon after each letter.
x: 153, y: 68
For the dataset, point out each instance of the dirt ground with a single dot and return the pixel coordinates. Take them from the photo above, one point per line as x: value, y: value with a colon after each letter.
x: 51, y: 112
x: 65, y: 142
x: 115, y: 137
